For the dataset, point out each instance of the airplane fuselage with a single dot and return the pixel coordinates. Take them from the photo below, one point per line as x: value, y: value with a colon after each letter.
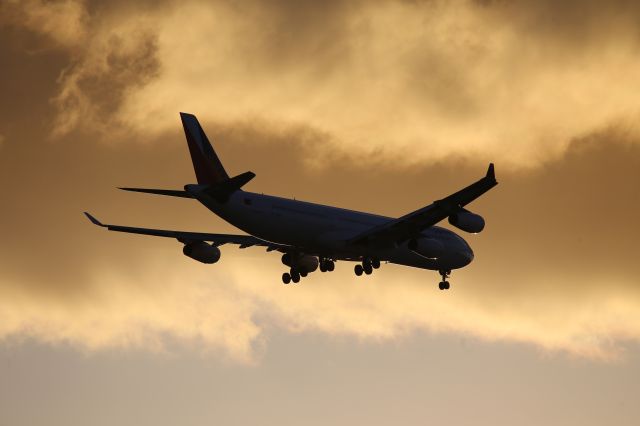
x: 314, y: 236
x: 316, y: 228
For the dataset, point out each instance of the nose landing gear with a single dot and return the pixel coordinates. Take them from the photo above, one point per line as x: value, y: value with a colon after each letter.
x: 444, y: 284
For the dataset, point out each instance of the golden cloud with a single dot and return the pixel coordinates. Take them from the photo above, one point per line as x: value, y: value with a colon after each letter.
x: 230, y: 308
x: 437, y: 79
x: 64, y: 21
x: 421, y: 81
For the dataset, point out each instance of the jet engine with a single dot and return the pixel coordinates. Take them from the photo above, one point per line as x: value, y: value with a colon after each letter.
x: 467, y: 221
x: 301, y: 262
x: 202, y: 252
x: 426, y: 247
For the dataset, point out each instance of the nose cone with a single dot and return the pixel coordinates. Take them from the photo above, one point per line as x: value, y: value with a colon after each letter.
x: 466, y: 255
x: 459, y: 254
x: 463, y: 254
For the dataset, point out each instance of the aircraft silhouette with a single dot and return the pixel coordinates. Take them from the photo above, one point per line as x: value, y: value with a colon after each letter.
x: 314, y: 236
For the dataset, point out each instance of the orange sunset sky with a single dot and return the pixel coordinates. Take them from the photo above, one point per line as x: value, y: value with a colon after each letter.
x: 380, y: 106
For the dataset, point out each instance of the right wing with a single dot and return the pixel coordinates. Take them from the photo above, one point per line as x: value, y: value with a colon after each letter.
x: 410, y: 225
x: 187, y: 237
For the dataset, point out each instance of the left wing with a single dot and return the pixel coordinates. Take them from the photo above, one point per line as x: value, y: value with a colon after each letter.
x: 408, y: 226
x: 186, y: 237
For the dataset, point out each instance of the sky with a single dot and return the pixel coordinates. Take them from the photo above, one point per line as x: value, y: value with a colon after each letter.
x: 375, y: 106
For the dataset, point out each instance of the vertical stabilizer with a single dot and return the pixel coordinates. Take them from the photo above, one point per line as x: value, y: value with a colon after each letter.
x: 206, y: 164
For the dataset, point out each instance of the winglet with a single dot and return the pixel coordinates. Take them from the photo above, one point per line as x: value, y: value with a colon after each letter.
x: 491, y: 174
x: 94, y: 220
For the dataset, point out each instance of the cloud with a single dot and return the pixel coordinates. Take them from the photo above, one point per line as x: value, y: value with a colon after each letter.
x: 140, y: 312
x: 62, y: 21
x: 538, y: 277
x: 395, y: 102
x: 117, y: 60
x: 488, y: 80
x: 230, y: 308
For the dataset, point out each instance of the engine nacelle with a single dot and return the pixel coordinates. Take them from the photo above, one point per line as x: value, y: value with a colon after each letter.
x: 202, y: 252
x: 467, y: 221
x: 301, y: 262
x: 426, y: 247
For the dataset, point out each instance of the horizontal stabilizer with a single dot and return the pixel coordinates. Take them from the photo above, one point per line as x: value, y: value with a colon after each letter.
x: 169, y: 192
x: 221, y: 191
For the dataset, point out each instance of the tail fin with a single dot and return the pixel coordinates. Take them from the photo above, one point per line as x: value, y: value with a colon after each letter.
x: 207, y: 165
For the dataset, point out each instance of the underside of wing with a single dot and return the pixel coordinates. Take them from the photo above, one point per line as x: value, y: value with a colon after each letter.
x: 190, y: 237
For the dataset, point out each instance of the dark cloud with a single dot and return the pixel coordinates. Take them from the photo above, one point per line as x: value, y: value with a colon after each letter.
x: 297, y: 34
x: 98, y: 89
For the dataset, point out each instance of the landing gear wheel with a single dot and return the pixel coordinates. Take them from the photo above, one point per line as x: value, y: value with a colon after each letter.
x: 444, y: 284
x: 295, y: 277
x: 330, y: 265
x: 323, y: 266
x: 303, y: 274
x: 375, y: 263
x: 367, y: 268
x: 358, y: 269
x: 286, y: 278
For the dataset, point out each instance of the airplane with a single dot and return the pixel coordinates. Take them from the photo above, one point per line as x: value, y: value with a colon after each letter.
x: 314, y: 236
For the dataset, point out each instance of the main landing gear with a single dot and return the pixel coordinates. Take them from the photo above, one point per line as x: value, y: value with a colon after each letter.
x: 367, y: 266
x: 444, y: 284
x: 327, y: 265
x: 302, y: 264
x: 293, y: 276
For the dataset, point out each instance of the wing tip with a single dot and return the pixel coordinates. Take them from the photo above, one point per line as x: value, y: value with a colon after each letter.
x: 94, y: 220
x: 491, y: 172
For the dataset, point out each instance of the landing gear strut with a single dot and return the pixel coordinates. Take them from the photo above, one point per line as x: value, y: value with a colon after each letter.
x: 301, y: 265
x: 444, y: 284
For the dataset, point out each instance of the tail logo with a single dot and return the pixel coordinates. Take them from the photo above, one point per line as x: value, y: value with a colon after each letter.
x: 206, y: 164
